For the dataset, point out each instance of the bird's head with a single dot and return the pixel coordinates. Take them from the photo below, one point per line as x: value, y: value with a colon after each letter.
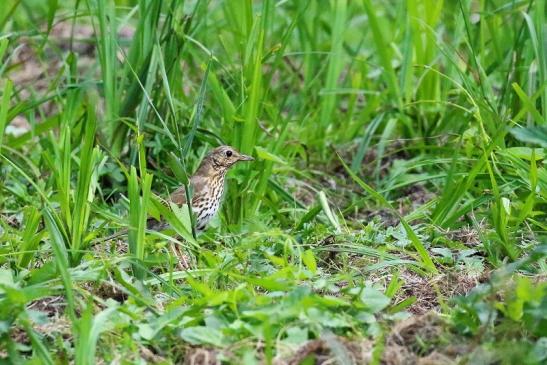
x: 224, y: 157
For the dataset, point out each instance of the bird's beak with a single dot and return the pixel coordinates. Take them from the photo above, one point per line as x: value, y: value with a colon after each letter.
x: 243, y: 157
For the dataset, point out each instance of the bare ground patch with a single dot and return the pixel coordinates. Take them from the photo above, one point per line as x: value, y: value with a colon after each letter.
x: 429, y: 291
x: 403, y: 345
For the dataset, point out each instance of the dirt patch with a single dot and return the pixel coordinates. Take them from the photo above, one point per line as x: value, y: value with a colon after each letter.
x: 381, y: 215
x: 150, y: 357
x: 406, y: 344
x: 105, y: 290
x: 328, y: 348
x: 436, y: 358
x: 57, y: 324
x: 12, y: 220
x: 416, y: 332
x: 467, y: 235
x: 302, y: 191
x: 53, y: 306
x: 201, y: 356
x: 427, y: 290
x: 107, y: 247
x: 412, y: 197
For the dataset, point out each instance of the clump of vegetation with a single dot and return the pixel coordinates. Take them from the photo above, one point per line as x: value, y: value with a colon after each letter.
x: 395, y: 212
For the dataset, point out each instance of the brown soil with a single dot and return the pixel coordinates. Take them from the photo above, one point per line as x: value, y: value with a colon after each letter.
x: 467, y: 235
x: 428, y: 290
x: 150, y: 357
x: 201, y: 356
x: 403, y: 346
x: 53, y: 306
x: 57, y: 324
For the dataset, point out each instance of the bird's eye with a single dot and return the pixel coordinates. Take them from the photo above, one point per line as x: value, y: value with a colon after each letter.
x: 228, y: 153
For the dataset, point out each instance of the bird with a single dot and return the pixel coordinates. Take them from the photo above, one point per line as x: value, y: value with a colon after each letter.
x: 207, y: 185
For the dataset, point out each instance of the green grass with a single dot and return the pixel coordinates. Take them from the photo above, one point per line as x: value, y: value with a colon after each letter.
x: 400, y: 169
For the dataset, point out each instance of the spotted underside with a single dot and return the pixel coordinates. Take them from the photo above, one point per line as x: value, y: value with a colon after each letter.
x: 206, y: 198
x: 206, y: 206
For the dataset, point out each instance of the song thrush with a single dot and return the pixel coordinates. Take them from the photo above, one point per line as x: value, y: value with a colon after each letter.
x: 207, y: 185
x: 207, y: 189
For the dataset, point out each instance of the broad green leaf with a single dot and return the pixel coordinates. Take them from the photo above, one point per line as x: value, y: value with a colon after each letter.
x: 374, y: 299
x: 201, y: 335
x: 309, y: 260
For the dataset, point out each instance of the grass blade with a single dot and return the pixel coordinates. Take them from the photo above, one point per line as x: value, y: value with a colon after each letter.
x: 138, y: 214
x: 4, y: 107
x: 90, y: 327
x: 382, y: 48
x: 59, y: 243
x: 335, y: 63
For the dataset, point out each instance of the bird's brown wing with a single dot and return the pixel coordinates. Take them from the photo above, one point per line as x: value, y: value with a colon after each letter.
x: 178, y: 196
x: 199, y: 186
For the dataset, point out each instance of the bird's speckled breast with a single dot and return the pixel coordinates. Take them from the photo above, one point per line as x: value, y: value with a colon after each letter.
x: 208, y: 206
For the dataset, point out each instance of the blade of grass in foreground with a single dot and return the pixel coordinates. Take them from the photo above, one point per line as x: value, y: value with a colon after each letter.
x: 90, y: 327
x: 176, y: 219
x: 3, y: 47
x: 365, y: 142
x: 38, y: 346
x: 246, y: 134
x: 30, y: 237
x: 58, y: 244
x: 4, y: 106
x: 85, y: 188
x: 382, y: 47
x: 537, y: 34
x: 530, y: 200
x: 328, y: 211
x: 106, y: 47
x: 528, y: 104
x: 335, y: 63
x: 137, y: 216
x: 416, y: 242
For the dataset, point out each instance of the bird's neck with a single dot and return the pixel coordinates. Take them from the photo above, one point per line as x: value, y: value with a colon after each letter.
x: 211, y: 168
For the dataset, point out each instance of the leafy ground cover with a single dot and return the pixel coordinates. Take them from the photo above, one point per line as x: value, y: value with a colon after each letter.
x: 395, y: 213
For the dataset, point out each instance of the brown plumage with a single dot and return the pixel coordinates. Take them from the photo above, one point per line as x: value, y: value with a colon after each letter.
x: 207, y: 185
